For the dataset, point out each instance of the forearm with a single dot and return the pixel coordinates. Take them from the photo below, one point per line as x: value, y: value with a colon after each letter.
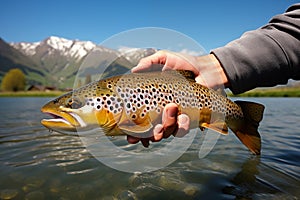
x: 264, y: 57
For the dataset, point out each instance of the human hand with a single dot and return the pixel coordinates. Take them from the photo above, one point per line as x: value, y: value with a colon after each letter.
x: 208, y: 72
x: 172, y: 124
x: 207, y: 69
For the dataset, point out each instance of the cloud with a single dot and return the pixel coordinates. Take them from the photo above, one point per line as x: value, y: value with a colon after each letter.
x: 193, y: 53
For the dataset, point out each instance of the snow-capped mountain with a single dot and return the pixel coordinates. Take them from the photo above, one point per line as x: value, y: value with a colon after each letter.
x: 59, y: 59
x: 135, y: 54
x: 68, y: 48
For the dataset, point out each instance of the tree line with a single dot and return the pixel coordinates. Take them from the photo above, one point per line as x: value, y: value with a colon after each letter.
x: 15, y: 80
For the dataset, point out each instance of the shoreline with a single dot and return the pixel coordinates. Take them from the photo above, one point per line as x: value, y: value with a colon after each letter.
x: 270, y: 92
x: 31, y: 94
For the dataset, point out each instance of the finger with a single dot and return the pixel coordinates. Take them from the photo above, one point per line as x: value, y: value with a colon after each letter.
x: 151, y: 63
x: 158, y: 133
x: 145, y: 142
x: 132, y: 140
x: 183, y: 125
x: 169, y: 119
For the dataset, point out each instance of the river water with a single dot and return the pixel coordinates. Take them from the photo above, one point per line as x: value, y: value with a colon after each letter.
x: 38, y: 164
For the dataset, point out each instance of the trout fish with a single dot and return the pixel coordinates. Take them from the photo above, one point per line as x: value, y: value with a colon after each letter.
x: 133, y: 104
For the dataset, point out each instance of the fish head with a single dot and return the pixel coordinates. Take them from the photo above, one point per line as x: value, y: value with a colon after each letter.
x: 69, y: 112
x: 87, y: 108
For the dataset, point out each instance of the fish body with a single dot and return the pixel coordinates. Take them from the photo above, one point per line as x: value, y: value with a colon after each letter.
x: 133, y: 104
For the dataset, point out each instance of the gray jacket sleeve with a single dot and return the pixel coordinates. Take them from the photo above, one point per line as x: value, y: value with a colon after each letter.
x: 264, y: 57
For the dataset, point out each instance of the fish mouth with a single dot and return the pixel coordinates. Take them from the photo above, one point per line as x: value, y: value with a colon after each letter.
x: 61, y: 121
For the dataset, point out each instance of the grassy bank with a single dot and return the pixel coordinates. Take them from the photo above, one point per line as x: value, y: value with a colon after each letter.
x: 31, y: 94
x: 272, y: 92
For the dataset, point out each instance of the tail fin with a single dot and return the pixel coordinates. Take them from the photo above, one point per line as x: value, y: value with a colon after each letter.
x: 247, y: 132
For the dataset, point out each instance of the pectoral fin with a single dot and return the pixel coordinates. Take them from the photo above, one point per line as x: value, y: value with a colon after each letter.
x: 132, y: 127
x: 218, y: 126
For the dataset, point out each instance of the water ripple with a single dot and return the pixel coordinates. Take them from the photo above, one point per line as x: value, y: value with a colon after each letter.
x: 35, y: 162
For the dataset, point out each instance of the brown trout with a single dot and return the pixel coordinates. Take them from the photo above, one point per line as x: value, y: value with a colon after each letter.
x: 133, y: 104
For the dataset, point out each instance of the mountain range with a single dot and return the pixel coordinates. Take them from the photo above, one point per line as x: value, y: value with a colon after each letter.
x: 55, y: 61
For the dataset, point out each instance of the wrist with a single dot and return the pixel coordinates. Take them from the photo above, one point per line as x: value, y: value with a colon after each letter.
x: 211, y: 71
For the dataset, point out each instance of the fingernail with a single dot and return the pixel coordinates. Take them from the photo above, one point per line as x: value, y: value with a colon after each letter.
x: 184, y: 122
x: 182, y: 119
x: 158, y: 129
x: 158, y: 132
x: 134, y: 68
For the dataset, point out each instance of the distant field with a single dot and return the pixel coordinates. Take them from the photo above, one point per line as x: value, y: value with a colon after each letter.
x: 31, y: 94
x: 272, y: 92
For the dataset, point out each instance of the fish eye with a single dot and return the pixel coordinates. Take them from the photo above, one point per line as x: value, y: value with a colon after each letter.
x: 74, y: 103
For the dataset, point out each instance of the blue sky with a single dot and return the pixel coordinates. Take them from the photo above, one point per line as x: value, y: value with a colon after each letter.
x: 210, y: 23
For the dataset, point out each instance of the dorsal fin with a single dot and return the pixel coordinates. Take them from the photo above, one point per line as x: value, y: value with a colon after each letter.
x: 221, y: 91
x: 187, y: 74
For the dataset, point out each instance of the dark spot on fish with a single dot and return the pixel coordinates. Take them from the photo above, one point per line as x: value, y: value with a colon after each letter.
x: 55, y: 101
x: 74, y: 103
x: 111, y: 108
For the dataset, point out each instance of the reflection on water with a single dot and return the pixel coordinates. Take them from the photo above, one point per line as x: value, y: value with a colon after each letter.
x: 38, y: 164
